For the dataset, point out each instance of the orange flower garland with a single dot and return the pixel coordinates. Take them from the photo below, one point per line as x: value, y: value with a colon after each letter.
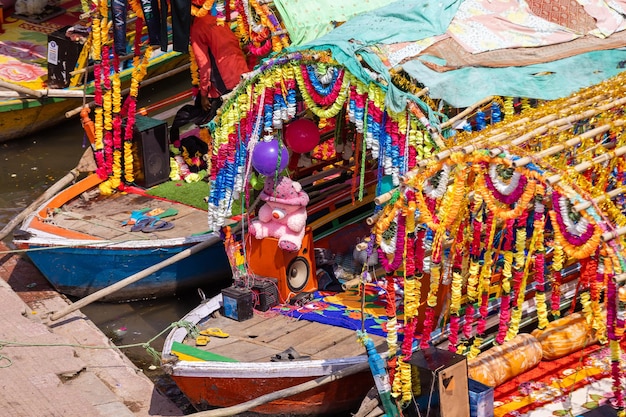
x: 201, y: 11
x: 576, y: 252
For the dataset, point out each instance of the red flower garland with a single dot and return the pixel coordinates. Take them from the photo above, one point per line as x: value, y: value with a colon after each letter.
x: 317, y: 98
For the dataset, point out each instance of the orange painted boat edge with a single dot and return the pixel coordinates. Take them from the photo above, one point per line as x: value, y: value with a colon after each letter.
x: 58, y: 201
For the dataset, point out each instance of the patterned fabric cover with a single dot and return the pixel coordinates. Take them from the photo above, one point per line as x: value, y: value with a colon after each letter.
x: 501, y: 363
x: 564, y: 336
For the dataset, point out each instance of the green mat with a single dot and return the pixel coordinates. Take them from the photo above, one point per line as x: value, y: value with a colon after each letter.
x: 199, y: 353
x: 190, y: 193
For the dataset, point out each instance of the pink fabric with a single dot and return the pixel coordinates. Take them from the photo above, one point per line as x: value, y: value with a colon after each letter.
x: 485, y: 25
x: 609, y: 15
x: 207, y: 34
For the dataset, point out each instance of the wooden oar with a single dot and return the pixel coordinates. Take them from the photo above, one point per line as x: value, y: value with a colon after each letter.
x: 50, y: 92
x: 21, y: 89
x: 287, y: 392
x: 212, y: 240
x: 86, y: 164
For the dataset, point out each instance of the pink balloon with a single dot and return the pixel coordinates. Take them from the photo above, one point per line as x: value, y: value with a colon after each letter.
x: 302, y: 135
x: 265, y: 157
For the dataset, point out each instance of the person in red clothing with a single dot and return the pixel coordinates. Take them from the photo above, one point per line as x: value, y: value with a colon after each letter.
x: 221, y: 62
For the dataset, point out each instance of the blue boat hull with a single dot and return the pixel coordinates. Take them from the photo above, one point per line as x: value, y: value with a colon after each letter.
x: 80, y: 271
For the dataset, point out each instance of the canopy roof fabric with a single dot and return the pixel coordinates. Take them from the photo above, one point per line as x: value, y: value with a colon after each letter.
x: 306, y: 20
x: 403, y: 34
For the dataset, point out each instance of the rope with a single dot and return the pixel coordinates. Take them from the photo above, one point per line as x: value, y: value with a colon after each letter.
x: 191, y: 330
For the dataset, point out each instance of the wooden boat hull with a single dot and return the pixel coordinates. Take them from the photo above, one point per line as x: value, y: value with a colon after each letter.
x: 344, y: 395
x: 21, y: 117
x: 77, y: 263
x: 214, y: 383
x: 80, y: 271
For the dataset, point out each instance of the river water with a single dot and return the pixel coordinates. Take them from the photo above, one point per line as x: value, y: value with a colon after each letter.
x: 28, y: 166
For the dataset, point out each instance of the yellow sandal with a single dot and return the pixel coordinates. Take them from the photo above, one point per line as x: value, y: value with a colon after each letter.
x: 214, y: 331
x: 202, y: 340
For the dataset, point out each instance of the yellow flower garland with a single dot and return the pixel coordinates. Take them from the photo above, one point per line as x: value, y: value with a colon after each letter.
x: 193, y: 68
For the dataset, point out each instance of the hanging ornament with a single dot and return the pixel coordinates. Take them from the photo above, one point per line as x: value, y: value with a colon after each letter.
x: 302, y: 135
x: 269, y: 157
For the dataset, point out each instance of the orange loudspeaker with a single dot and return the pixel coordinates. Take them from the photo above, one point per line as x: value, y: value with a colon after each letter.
x: 295, y: 271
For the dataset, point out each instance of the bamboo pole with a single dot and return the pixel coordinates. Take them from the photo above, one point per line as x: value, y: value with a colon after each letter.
x: 568, y: 144
x: 596, y: 200
x: 383, y: 198
x: 52, y: 92
x: 351, y: 283
x: 372, y: 219
x: 583, y: 166
x: 212, y: 240
x: 606, y: 236
x: 465, y: 112
x: 21, y: 89
x: 71, y: 113
x: 287, y: 392
x: 564, y: 121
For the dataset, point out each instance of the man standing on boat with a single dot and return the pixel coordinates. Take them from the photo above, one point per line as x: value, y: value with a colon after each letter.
x: 221, y: 62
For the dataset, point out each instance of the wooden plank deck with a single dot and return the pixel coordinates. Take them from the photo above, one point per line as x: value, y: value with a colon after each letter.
x: 266, y: 334
x: 103, y: 217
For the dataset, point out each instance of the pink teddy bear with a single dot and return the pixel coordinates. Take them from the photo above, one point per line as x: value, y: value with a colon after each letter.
x: 283, y: 216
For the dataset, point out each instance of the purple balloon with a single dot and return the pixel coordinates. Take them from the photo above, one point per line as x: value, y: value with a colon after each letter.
x: 265, y: 157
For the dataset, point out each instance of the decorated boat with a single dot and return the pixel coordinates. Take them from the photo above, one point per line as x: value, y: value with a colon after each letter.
x: 84, y: 242
x: 47, y: 71
x: 48, y: 74
x: 500, y: 210
x: 132, y: 153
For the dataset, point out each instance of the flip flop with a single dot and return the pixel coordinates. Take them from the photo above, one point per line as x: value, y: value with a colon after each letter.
x: 157, y: 225
x: 202, y: 341
x: 214, y: 331
x: 141, y: 223
x: 135, y: 215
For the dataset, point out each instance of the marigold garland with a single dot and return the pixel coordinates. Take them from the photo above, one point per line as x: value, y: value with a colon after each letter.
x: 201, y: 11
x: 577, y: 252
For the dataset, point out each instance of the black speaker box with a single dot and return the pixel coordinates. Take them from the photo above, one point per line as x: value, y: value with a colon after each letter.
x: 63, y: 55
x: 151, y: 154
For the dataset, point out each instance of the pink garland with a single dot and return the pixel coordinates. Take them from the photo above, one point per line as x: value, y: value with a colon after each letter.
x: 505, y: 300
x: 484, y: 304
x: 505, y: 316
x: 571, y: 238
x: 504, y: 198
x: 454, y: 332
x: 399, y: 252
x: 429, y: 322
x: 613, y: 322
x: 469, y: 321
x: 555, y: 296
x: 262, y: 50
